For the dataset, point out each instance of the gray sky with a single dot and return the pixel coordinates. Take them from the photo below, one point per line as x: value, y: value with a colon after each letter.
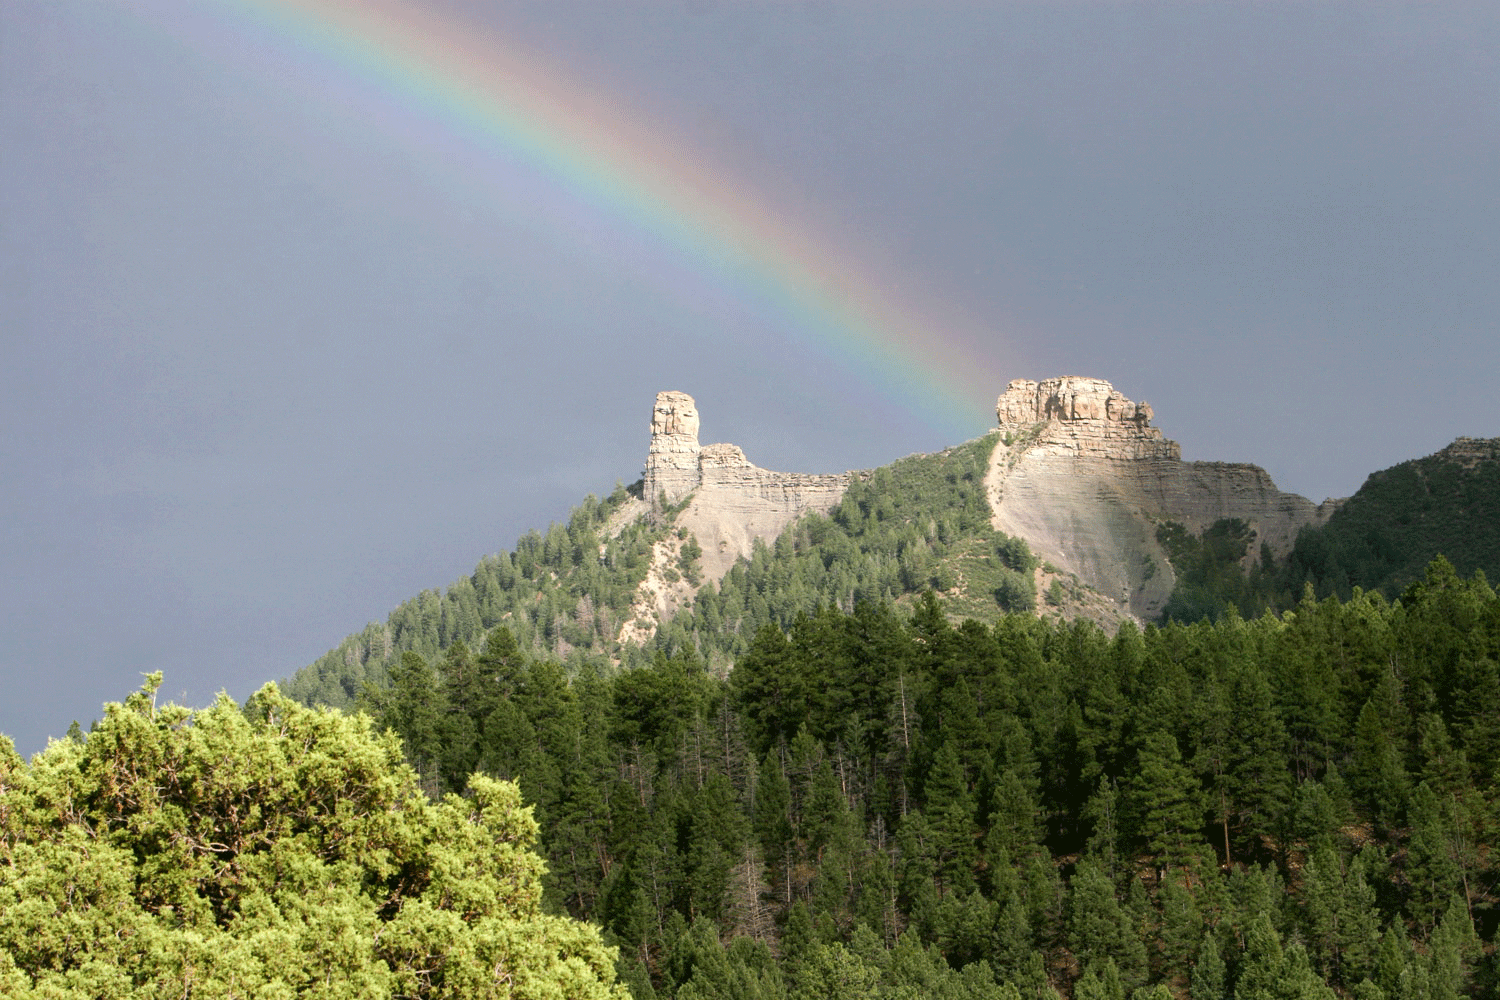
x: 278, y: 355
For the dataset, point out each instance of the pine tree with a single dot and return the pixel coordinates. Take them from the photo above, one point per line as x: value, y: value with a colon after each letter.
x: 1262, y: 967
x: 415, y: 707
x: 1358, y: 940
x: 1208, y: 976
x: 951, y: 811
x: 1430, y: 867
x: 916, y: 871
x: 1011, y: 940
x: 1166, y: 799
x: 1376, y: 774
x: 1013, y: 817
x: 773, y: 826
x: 1180, y: 929
x: 1099, y: 929
x: 1103, y: 809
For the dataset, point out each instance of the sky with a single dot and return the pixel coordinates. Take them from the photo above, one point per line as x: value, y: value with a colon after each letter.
x: 307, y: 306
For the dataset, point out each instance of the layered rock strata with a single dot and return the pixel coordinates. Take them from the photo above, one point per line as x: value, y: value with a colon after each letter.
x: 733, y: 502
x: 1078, y: 470
x: 672, y: 461
x: 1081, y: 474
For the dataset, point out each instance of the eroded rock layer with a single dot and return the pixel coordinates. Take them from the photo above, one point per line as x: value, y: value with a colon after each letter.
x: 1081, y: 474
x: 738, y: 502
x: 734, y: 502
x: 672, y: 461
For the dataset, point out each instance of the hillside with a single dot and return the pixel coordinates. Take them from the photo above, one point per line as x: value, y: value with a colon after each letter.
x: 1381, y: 539
x: 1075, y: 506
x: 624, y: 577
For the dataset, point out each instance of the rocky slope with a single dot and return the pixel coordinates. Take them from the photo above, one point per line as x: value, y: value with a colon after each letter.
x: 715, y: 496
x: 732, y: 502
x: 1077, y: 470
x: 1083, y: 476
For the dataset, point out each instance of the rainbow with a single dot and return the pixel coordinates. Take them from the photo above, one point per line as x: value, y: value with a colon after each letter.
x: 480, y: 96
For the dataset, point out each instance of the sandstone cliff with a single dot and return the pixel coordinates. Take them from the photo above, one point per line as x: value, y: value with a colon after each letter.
x: 1077, y: 470
x: 729, y: 504
x: 1080, y: 473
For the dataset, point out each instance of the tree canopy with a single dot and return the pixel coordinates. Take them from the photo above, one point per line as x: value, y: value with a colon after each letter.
x: 269, y: 851
x: 892, y: 806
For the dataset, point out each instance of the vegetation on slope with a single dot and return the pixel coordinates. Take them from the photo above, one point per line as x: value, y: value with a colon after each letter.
x: 567, y: 589
x: 917, y: 524
x: 877, y: 806
x: 1381, y: 539
x: 277, y: 851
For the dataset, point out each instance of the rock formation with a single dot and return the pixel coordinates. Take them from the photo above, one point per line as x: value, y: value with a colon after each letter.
x: 1081, y: 474
x: 731, y: 503
x: 1085, y: 415
x: 672, y: 461
x: 1077, y: 470
x: 738, y: 502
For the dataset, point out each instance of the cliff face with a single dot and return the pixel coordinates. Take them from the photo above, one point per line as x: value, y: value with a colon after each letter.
x: 731, y: 503
x: 1077, y: 470
x: 672, y: 461
x: 1081, y: 474
x: 737, y: 502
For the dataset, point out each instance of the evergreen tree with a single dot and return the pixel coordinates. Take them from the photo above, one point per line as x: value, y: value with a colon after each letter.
x: 951, y: 812
x: 1100, y: 930
x: 773, y: 826
x: 1209, y: 977
x: 1376, y: 775
x: 1433, y: 875
x: 1166, y: 799
x: 415, y: 708
x: 1358, y: 935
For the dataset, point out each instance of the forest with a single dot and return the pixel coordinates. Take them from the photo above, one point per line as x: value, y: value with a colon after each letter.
x: 877, y: 803
x: 918, y: 524
x: 858, y: 765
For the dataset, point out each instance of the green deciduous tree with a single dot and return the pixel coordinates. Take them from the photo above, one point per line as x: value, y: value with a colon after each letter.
x: 271, y: 851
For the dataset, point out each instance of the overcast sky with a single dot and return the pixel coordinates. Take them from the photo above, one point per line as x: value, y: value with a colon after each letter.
x: 274, y: 360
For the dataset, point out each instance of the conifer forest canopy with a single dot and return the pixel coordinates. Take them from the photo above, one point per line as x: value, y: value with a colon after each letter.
x: 870, y: 804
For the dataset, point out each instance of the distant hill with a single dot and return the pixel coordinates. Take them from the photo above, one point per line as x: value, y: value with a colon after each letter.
x: 1383, y: 537
x: 1379, y: 540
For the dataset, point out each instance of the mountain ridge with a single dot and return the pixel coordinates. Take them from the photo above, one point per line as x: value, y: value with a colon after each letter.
x: 1086, y: 479
x: 1074, y: 505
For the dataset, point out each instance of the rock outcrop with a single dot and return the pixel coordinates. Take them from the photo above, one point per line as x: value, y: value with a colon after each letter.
x: 730, y: 504
x: 672, y: 461
x: 738, y: 502
x: 1078, y: 470
x: 1081, y: 474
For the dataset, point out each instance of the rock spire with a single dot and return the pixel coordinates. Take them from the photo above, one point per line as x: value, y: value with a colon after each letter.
x: 672, y: 461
